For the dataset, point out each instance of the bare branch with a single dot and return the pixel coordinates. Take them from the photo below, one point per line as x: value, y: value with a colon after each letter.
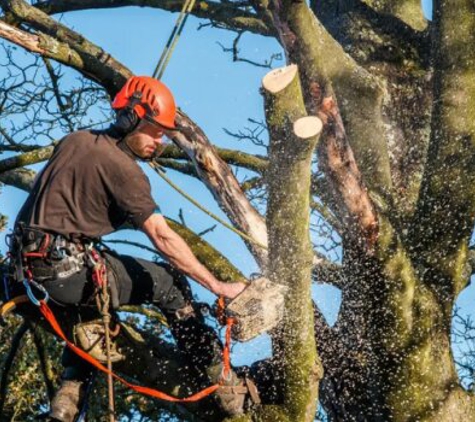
x: 252, y: 134
x: 54, y: 82
x: 16, y: 341
x: 45, y: 362
x: 228, y: 15
x: 62, y: 44
x: 267, y: 64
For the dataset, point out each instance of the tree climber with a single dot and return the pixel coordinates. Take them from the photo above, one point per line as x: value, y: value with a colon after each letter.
x: 92, y: 186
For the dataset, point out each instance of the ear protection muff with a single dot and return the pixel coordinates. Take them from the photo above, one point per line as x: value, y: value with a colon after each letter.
x: 126, y: 120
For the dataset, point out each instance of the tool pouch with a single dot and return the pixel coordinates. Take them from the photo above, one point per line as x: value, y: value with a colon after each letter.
x: 90, y: 336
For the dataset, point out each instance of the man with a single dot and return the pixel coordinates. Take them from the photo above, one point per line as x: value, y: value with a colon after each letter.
x: 92, y: 186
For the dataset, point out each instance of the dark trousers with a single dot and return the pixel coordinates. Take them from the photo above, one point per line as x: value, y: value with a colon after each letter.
x: 137, y: 281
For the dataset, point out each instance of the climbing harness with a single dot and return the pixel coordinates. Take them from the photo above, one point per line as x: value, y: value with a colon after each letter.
x: 38, y: 296
x: 173, y: 39
x: 159, y: 170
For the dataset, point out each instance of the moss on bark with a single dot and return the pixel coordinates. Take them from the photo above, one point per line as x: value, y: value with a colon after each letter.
x: 290, y: 253
x: 208, y: 255
x: 409, y: 11
x: 445, y: 216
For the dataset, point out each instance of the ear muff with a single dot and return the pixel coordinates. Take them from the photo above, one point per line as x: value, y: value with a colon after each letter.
x: 126, y: 120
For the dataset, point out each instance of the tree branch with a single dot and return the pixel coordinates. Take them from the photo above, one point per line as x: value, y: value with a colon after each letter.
x: 325, y: 271
x: 44, y: 361
x: 233, y: 157
x: 19, y: 178
x: 26, y: 159
x: 57, y: 94
x: 443, y: 223
x: 293, y: 136
x: 16, y: 341
x: 326, y: 215
x: 226, y: 14
x: 64, y: 45
x: 220, y: 180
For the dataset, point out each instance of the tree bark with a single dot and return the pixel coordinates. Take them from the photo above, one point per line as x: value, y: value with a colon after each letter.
x: 290, y: 252
x: 222, y: 183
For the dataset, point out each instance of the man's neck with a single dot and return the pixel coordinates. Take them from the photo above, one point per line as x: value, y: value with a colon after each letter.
x: 120, y: 137
x: 122, y: 144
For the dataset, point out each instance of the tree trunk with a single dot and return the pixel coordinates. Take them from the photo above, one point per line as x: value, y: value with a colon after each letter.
x: 392, y: 360
x: 293, y: 139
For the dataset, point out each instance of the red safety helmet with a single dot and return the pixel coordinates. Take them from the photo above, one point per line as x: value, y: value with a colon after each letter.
x: 149, y: 98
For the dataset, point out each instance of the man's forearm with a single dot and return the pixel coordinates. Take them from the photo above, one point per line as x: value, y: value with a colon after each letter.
x: 179, y: 254
x: 172, y: 246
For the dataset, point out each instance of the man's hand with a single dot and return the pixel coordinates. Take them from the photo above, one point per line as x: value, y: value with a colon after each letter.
x: 230, y: 290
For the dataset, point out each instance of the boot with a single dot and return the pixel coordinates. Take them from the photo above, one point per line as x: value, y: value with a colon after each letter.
x: 204, y: 349
x: 66, y: 402
x: 237, y: 394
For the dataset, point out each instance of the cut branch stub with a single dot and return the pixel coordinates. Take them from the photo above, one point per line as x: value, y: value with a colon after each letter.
x: 278, y: 79
x: 293, y: 137
x: 308, y: 127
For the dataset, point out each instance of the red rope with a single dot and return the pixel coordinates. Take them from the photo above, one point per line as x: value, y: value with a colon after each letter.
x: 49, y: 316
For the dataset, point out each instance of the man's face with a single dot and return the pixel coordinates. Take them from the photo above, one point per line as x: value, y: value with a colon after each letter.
x: 146, y: 139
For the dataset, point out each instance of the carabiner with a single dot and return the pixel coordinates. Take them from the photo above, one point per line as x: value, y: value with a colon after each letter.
x: 27, y: 283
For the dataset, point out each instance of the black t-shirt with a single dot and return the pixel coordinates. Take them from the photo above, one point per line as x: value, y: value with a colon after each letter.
x: 90, y: 187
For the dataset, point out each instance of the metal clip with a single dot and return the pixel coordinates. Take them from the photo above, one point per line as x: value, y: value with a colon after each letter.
x: 28, y: 283
x: 226, y: 375
x: 58, y: 251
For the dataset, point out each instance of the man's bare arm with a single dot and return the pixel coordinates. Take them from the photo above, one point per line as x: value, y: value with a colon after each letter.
x: 172, y: 246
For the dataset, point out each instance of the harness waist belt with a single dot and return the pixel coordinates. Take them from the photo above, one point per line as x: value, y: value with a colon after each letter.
x: 47, y: 255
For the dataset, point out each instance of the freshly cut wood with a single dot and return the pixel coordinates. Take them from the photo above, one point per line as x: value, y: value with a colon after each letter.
x: 276, y: 80
x: 308, y: 127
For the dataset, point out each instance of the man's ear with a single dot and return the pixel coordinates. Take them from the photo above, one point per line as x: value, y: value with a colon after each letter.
x: 126, y: 120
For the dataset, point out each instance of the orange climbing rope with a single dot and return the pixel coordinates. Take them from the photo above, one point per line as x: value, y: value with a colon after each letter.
x: 49, y: 316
